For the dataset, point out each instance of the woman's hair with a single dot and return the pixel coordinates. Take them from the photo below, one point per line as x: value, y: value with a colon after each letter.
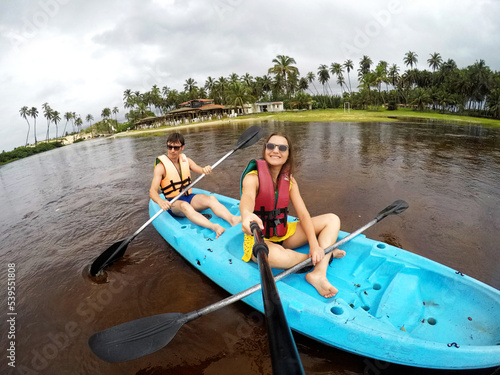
x: 175, y: 137
x: 289, y: 164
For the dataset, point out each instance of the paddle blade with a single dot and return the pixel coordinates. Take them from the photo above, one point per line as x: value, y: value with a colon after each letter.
x: 249, y: 137
x: 393, y: 209
x: 109, y: 256
x: 137, y: 338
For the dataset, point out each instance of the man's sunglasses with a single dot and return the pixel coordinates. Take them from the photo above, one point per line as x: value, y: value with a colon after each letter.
x: 271, y: 146
x: 176, y: 148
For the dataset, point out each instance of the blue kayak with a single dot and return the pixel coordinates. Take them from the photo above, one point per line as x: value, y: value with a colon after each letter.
x: 392, y: 305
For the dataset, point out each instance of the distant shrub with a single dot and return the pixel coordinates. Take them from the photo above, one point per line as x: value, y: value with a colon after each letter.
x: 392, y: 105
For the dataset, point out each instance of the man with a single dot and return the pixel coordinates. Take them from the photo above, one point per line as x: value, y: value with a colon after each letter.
x: 172, y: 174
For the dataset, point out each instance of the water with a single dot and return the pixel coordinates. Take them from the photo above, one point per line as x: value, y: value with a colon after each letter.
x: 62, y: 208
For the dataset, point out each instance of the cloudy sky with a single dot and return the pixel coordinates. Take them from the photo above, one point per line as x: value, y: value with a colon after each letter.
x: 80, y: 55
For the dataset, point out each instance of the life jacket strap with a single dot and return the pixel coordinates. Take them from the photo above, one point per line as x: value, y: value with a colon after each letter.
x: 173, y: 186
x: 271, y: 220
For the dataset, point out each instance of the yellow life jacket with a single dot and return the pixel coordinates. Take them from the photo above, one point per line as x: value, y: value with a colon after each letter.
x: 173, y: 183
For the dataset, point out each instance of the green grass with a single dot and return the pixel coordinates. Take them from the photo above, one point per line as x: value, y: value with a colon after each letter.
x: 338, y: 115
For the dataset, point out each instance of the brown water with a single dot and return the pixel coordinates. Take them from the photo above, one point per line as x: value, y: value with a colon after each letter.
x: 62, y: 208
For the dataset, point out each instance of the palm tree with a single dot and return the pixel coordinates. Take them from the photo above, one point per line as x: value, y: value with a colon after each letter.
x: 47, y: 113
x: 239, y: 95
x: 323, y: 77
x: 115, y: 112
x: 190, y: 85
x: 435, y: 61
x: 336, y: 69
x: 34, y: 113
x: 283, y: 68
x: 364, y: 66
x: 89, y: 118
x: 410, y: 59
x: 106, y: 112
x: 55, y: 119
x: 310, y: 78
x: 348, y: 65
x: 24, y: 112
x: 79, y: 123
x: 67, y: 116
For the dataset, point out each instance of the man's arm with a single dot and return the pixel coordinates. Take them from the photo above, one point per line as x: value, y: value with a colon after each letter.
x: 158, y: 174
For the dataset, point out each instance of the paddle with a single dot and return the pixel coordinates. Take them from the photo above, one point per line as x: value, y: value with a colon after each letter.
x: 140, y: 337
x: 117, y: 250
x: 285, y: 357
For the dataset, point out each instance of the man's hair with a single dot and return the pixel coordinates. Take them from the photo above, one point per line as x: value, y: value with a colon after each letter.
x: 175, y: 137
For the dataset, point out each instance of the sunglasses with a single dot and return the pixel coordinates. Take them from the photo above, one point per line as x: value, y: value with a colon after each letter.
x: 176, y: 148
x: 271, y: 146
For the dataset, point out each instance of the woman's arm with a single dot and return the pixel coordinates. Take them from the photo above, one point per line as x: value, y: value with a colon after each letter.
x: 247, y: 203
x: 316, y: 252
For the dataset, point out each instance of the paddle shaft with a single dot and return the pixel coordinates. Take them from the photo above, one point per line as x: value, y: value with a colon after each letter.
x: 285, y: 357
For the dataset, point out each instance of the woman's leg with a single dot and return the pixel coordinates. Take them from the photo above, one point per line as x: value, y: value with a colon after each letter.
x: 327, y: 228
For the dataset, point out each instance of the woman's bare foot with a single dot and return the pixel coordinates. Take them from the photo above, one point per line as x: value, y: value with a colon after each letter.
x: 218, y: 230
x: 321, y: 284
x: 337, y: 253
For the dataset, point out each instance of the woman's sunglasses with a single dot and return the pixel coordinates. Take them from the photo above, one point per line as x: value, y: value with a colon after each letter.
x: 271, y: 146
x: 176, y: 148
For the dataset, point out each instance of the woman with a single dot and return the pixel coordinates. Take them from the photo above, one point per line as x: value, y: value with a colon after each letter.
x: 267, y: 185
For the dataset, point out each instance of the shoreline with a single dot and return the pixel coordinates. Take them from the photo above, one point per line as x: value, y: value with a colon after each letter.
x: 329, y: 115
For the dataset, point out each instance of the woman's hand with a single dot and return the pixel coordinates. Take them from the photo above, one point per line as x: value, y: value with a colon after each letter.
x: 317, y: 254
x: 247, y: 219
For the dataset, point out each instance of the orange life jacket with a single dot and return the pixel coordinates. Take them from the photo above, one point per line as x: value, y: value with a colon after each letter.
x: 174, y: 183
x: 270, y: 206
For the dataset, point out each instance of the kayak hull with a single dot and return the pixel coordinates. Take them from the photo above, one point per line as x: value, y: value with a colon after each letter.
x: 392, y: 305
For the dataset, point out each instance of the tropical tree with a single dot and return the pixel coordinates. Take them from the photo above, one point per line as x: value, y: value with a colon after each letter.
x: 115, y: 112
x: 336, y: 69
x: 410, y: 59
x: 47, y: 113
x: 239, y: 95
x: 24, y: 112
x: 283, y: 67
x: 310, y: 78
x: 106, y: 112
x: 78, y: 123
x: 435, y: 61
x: 67, y: 116
x: 348, y: 65
x: 55, y: 119
x: 34, y: 113
x: 323, y: 78
x: 364, y: 66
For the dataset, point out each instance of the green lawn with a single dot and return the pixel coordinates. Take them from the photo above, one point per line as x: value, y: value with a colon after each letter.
x: 369, y: 116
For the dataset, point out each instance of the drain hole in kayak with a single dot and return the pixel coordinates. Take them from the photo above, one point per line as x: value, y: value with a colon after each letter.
x: 337, y: 310
x: 183, y: 226
x: 377, y: 286
x: 431, y: 321
x: 366, y: 308
x: 381, y: 246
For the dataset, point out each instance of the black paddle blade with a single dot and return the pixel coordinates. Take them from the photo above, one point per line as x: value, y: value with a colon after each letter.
x: 393, y: 209
x: 109, y: 256
x: 249, y: 137
x: 137, y: 338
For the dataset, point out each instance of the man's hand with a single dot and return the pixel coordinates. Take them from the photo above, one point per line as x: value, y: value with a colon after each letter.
x: 207, y: 169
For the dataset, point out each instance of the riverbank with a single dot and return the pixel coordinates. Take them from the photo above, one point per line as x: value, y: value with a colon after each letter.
x: 329, y: 115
